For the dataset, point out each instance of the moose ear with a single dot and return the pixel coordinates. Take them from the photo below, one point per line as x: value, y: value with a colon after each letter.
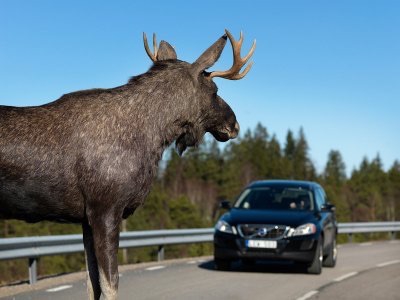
x: 210, y: 56
x: 165, y: 51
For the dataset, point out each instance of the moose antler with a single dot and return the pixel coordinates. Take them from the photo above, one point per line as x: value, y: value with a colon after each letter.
x: 152, y: 56
x: 234, y: 72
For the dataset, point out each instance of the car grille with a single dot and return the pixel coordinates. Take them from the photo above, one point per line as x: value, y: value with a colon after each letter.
x: 265, y: 231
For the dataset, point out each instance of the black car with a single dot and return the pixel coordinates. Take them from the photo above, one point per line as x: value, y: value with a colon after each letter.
x: 278, y: 220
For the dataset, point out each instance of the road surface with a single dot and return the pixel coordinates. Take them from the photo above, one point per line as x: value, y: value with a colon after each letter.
x: 363, y: 271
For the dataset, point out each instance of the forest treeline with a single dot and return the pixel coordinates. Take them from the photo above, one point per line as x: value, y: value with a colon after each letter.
x: 188, y: 190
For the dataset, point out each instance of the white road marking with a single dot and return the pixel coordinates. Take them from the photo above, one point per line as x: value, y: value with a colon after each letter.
x: 345, y: 276
x: 59, y: 288
x: 155, y: 268
x: 308, y: 295
x: 388, y: 263
x: 366, y: 244
x: 199, y: 261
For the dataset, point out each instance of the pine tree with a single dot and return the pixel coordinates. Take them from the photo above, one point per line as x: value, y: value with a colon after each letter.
x: 393, y: 205
x: 289, y: 153
x: 369, y: 185
x: 275, y: 167
x: 297, y: 162
x: 334, y: 180
x: 335, y: 170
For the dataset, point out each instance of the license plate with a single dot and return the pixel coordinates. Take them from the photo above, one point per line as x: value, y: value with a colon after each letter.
x: 261, y: 244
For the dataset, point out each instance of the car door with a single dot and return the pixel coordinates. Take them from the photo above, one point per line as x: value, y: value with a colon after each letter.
x: 327, y: 218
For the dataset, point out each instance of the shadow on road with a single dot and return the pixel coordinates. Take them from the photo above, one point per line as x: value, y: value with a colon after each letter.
x: 283, y: 267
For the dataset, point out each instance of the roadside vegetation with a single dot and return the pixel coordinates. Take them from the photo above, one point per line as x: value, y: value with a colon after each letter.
x: 188, y: 190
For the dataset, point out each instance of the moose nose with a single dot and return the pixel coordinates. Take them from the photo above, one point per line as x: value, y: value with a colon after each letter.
x: 235, y: 131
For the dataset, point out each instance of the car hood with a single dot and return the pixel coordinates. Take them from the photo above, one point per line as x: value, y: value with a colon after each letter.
x: 275, y: 217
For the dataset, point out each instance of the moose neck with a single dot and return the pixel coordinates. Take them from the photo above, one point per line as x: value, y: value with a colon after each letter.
x: 164, y: 100
x: 147, y: 114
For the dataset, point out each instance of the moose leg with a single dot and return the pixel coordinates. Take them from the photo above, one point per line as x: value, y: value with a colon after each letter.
x: 106, y: 238
x: 92, y: 271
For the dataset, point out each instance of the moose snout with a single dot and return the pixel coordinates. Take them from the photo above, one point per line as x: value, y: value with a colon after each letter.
x: 225, y: 132
x: 234, y: 133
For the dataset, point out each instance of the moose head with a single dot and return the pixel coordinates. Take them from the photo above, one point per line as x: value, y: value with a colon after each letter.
x: 217, y: 117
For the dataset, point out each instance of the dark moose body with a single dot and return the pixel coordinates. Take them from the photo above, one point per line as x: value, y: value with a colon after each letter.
x: 90, y: 156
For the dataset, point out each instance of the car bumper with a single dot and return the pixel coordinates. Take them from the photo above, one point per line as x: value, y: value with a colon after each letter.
x: 232, y: 247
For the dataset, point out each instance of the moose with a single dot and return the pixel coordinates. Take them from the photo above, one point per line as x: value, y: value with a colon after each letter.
x: 90, y: 156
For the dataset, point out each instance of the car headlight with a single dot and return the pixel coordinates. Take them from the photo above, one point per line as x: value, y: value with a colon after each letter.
x: 304, y: 229
x: 225, y: 227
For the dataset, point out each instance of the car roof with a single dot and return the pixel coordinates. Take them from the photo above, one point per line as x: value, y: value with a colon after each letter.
x: 280, y: 182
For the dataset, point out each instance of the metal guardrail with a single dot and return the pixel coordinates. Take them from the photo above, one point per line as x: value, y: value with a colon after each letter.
x: 368, y: 227
x: 35, y: 247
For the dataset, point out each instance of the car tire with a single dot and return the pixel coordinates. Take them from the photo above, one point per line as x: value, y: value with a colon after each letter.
x: 316, y: 266
x: 222, y: 264
x: 330, y: 260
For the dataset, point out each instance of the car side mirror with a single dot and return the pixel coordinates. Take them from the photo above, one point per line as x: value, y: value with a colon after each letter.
x: 328, y: 207
x: 225, y: 204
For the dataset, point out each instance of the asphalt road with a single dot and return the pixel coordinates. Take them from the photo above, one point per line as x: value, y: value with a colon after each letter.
x: 363, y: 271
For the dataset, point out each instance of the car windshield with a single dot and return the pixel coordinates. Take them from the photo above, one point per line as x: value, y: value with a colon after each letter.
x: 276, y: 198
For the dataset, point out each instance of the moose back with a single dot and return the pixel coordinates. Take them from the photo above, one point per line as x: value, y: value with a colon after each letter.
x: 90, y: 156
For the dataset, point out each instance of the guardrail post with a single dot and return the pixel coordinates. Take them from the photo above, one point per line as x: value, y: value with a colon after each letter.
x: 160, y: 255
x: 350, y: 238
x: 32, y: 270
x: 393, y: 235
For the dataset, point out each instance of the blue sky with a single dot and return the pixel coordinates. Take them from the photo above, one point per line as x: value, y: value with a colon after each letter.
x: 331, y: 67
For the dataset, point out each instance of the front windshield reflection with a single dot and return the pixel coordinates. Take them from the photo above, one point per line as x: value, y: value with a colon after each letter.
x: 276, y: 198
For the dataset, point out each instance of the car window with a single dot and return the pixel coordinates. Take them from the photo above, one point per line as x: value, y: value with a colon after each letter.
x: 276, y: 198
x: 320, y: 198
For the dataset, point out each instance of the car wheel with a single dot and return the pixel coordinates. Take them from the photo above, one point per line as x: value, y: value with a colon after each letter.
x: 330, y: 260
x: 222, y: 264
x: 316, y: 265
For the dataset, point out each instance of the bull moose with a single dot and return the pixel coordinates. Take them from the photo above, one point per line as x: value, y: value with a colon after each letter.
x: 90, y: 156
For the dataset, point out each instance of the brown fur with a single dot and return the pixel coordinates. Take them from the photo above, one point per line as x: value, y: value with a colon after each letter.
x: 90, y: 156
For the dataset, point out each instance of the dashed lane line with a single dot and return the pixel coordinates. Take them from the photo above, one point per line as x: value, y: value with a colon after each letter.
x: 155, y: 268
x: 59, y: 288
x: 365, y: 244
x: 388, y: 263
x: 308, y: 295
x: 199, y: 261
x: 345, y: 276
x: 314, y: 292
